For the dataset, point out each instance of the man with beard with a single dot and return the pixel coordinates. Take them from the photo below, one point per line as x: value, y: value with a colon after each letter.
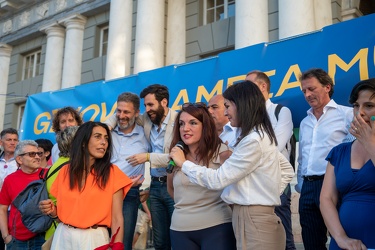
x: 129, y: 139
x: 158, y: 121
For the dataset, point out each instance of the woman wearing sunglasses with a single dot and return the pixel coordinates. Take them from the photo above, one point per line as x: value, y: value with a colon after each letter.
x: 253, y: 177
x: 201, y: 219
x: 89, y: 192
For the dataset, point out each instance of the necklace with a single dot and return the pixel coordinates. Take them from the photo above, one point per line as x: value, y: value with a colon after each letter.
x: 193, y: 159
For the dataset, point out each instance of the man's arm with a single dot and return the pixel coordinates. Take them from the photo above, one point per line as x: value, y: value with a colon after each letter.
x: 4, y: 224
x: 111, y: 121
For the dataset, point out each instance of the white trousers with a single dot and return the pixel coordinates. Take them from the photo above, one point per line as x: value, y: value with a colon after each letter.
x: 69, y: 238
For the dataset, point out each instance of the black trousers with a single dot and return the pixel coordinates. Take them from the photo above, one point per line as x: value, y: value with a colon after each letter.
x: 314, y: 231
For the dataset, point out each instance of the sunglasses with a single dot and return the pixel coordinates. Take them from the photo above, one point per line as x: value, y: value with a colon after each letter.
x: 194, y: 104
x: 32, y: 154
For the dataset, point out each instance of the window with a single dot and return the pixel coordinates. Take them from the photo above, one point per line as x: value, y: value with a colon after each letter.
x: 103, y: 41
x: 31, y: 65
x: 21, y: 110
x: 215, y: 10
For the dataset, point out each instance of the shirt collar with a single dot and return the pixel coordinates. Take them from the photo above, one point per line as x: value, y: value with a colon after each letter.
x: 330, y: 104
x: 136, y: 130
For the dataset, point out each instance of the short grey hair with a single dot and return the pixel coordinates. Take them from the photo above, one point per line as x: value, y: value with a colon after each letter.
x: 21, y: 145
x: 64, y: 140
x: 130, y: 97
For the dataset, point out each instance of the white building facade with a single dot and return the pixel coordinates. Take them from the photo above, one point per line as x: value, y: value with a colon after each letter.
x: 57, y: 44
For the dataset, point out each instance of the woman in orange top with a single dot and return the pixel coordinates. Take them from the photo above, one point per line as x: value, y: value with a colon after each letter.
x: 89, y: 192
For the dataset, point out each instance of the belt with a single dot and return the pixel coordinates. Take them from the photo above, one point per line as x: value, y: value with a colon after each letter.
x: 313, y: 177
x: 159, y: 179
x: 92, y: 227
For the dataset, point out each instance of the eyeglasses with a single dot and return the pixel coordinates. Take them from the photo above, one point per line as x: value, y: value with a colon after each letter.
x: 32, y: 154
x: 195, y: 104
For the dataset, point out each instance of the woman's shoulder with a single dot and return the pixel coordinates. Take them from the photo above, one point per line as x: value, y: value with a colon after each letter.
x: 340, y: 150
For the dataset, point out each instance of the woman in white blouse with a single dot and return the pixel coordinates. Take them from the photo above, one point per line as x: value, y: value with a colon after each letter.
x: 253, y: 177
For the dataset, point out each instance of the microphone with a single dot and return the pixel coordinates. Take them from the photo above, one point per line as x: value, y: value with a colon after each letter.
x: 171, y: 163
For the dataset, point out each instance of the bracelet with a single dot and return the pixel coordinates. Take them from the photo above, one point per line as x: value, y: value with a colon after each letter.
x: 148, y: 157
x: 53, y: 217
x: 6, y: 236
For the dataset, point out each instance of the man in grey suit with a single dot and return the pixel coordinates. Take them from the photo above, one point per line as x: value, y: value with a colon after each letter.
x: 158, y: 122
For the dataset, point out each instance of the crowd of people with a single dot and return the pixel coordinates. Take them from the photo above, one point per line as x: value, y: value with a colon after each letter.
x: 228, y: 184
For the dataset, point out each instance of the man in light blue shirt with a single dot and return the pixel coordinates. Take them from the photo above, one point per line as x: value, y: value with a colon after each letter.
x: 129, y: 139
x: 158, y: 122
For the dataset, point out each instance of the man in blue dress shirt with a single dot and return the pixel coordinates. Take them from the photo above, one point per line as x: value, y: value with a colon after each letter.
x: 129, y: 139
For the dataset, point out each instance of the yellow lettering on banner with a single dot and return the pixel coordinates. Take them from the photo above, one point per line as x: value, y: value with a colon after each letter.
x: 231, y: 80
x: 104, y: 116
x: 286, y: 83
x: 202, y: 91
x: 181, y: 95
x: 361, y: 56
x: 93, y: 107
x: 44, y: 124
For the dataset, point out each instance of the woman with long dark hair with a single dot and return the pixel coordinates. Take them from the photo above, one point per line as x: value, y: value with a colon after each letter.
x: 253, y: 177
x: 89, y: 192
x: 201, y: 219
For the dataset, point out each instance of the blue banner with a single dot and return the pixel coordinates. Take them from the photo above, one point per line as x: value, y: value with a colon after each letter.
x: 345, y: 50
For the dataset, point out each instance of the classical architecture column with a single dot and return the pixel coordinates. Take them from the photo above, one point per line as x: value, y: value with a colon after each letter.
x: 54, y: 57
x: 350, y: 9
x: 251, y: 23
x: 176, y: 32
x: 149, y: 38
x: 119, y: 39
x: 75, y: 25
x: 5, y: 52
x: 323, y: 13
x: 295, y: 17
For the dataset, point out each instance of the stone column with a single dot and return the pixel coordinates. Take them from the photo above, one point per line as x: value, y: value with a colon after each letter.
x: 350, y: 9
x: 5, y: 53
x: 323, y: 13
x: 251, y: 23
x: 149, y: 38
x: 119, y: 39
x: 176, y: 32
x: 54, y: 57
x: 295, y: 17
x: 75, y: 25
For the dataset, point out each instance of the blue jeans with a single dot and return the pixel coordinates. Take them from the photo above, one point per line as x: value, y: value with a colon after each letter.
x: 31, y: 244
x: 283, y: 211
x: 130, y: 212
x: 161, y: 208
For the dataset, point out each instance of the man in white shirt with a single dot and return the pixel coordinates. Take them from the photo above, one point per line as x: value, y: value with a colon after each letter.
x: 8, y: 141
x: 8, y: 165
x: 325, y: 126
x: 283, y: 127
x: 227, y: 133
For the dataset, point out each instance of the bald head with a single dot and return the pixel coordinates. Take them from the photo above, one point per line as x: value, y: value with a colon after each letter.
x: 216, y: 109
x: 261, y: 80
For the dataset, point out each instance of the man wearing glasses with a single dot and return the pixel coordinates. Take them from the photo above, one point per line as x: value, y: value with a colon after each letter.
x: 13, y: 231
